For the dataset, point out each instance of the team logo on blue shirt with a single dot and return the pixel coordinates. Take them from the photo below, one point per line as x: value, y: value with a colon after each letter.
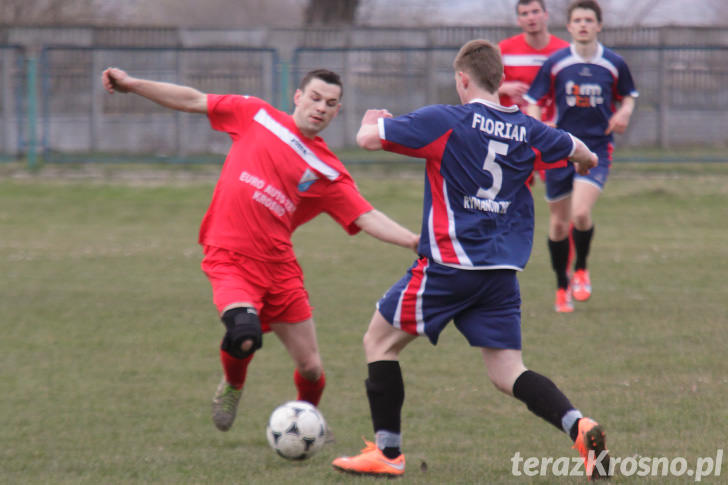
x: 584, y: 95
x: 307, y: 179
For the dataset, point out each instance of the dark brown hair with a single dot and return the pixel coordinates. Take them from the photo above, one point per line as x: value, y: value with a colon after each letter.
x: 329, y: 77
x: 587, y: 5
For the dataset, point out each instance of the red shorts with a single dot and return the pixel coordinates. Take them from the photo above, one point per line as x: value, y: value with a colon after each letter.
x: 275, y: 289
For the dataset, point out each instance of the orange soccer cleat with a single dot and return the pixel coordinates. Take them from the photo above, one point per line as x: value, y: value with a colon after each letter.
x: 591, y: 443
x: 371, y: 461
x: 563, y: 301
x: 581, y: 285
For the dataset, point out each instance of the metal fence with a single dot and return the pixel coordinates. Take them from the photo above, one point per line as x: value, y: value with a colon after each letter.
x: 12, y: 107
x: 681, y: 73
x: 79, y: 117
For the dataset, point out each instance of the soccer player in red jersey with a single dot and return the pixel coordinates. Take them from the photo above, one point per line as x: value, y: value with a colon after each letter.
x: 277, y: 175
x: 523, y: 55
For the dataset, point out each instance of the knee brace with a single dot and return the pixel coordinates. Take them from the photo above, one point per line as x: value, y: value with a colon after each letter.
x: 242, y: 324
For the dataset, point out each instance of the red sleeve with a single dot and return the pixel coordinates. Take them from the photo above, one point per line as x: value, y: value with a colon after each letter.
x: 345, y: 204
x: 232, y: 113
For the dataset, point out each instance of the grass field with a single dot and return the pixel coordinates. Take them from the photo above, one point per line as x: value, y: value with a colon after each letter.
x: 108, y: 337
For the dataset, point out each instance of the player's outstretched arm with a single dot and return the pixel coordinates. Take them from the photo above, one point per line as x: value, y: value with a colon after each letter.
x: 583, y: 158
x: 173, y: 96
x: 379, y: 225
x: 368, y: 135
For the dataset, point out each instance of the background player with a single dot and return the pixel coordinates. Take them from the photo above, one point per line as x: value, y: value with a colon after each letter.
x: 587, y: 79
x: 477, y: 232
x: 277, y: 175
x: 523, y: 54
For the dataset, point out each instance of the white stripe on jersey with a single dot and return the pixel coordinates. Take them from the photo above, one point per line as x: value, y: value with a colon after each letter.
x: 419, y: 316
x: 397, y: 318
x: 433, y: 241
x: 418, y: 306
x: 285, y: 135
x: 524, y: 60
x: 598, y: 60
x: 452, y: 232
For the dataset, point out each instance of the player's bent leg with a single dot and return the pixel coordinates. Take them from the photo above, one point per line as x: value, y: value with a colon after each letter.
x: 504, y: 366
x: 299, y: 339
x: 242, y: 338
x: 243, y: 334
x: 382, y: 341
x: 583, y: 200
x: 560, y: 218
x: 385, y: 392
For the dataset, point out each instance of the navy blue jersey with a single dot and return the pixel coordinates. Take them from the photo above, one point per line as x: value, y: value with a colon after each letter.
x: 585, y: 91
x: 478, y: 210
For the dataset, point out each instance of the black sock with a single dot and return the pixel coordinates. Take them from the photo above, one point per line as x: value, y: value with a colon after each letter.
x: 574, y: 430
x: 560, y: 260
x: 542, y: 397
x: 385, y: 390
x: 582, y: 243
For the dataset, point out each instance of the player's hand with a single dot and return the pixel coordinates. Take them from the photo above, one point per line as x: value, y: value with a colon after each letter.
x: 115, y: 79
x: 583, y: 168
x: 515, y: 90
x: 618, y: 122
x: 372, y: 115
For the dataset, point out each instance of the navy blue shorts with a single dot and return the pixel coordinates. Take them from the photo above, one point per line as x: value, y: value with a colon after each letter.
x: 560, y: 181
x: 484, y: 304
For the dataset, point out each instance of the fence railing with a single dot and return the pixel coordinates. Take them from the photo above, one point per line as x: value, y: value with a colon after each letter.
x: 13, y: 109
x: 683, y: 94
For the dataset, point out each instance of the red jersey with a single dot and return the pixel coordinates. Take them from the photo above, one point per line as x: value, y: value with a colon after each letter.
x: 521, y: 62
x: 274, y: 179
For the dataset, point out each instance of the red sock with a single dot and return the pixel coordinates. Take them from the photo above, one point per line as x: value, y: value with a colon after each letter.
x: 235, y: 369
x: 309, y: 391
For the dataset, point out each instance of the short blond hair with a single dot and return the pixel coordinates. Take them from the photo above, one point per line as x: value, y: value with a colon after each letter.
x: 481, y: 59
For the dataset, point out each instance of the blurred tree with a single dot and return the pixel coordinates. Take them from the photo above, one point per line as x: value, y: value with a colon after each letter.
x: 331, y: 12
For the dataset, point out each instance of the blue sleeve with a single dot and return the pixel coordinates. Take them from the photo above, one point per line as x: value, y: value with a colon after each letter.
x: 554, y: 144
x: 625, y: 84
x: 541, y: 84
x: 418, y: 129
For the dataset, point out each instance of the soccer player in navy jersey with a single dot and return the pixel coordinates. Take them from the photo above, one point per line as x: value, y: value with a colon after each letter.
x: 587, y: 80
x: 477, y: 233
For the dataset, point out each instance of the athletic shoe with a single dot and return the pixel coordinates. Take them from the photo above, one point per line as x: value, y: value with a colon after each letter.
x: 371, y: 461
x: 591, y: 443
x: 581, y: 285
x: 563, y: 301
x: 225, y: 405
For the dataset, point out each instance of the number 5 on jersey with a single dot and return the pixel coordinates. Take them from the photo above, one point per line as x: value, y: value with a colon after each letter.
x: 495, y: 170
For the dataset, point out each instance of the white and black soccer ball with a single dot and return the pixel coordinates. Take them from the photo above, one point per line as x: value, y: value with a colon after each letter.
x: 296, y: 430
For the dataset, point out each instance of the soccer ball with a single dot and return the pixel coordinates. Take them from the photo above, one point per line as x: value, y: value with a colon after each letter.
x: 296, y: 430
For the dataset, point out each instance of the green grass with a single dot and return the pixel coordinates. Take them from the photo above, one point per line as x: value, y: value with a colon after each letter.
x: 108, y: 336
